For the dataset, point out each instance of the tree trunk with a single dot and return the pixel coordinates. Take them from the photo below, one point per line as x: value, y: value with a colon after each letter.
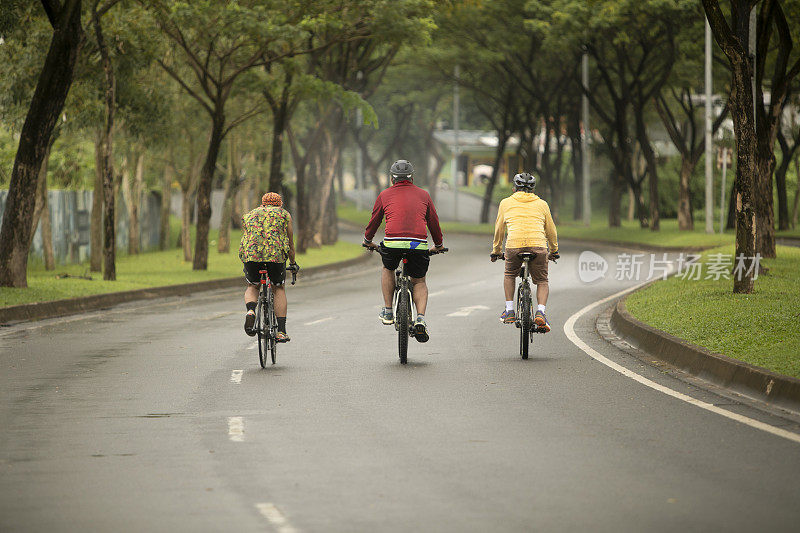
x: 186, y: 223
x: 787, y: 153
x: 576, y: 156
x: 107, y: 156
x: 166, y: 201
x: 615, y: 201
x: 763, y: 199
x: 631, y: 204
x: 224, y: 239
x: 685, y: 219
x: 204, y: 194
x: 488, y: 193
x: 134, y: 242
x: 127, y: 196
x: 796, y: 192
x: 276, y: 157
x: 742, y: 113
x: 96, y: 246
x: 47, y: 228
x: 46, y: 105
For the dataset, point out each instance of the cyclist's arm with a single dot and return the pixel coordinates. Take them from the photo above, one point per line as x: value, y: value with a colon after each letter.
x: 499, y: 230
x: 550, y: 231
x: 432, y: 220
x: 375, y: 220
x: 290, y: 235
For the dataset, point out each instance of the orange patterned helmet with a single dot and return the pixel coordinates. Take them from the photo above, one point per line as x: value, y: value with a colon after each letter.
x: 272, y: 199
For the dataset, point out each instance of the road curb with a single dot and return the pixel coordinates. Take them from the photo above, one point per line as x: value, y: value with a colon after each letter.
x: 737, y: 376
x: 71, y: 306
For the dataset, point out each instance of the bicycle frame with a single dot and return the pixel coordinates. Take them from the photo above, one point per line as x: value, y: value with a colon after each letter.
x: 402, y: 282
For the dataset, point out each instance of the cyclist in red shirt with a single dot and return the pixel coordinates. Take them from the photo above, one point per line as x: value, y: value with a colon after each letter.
x: 408, y: 211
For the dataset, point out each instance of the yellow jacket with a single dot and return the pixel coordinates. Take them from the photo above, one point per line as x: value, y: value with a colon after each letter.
x: 528, y: 221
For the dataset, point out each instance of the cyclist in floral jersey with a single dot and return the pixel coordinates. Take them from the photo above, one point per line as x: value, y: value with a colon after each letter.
x: 267, y: 241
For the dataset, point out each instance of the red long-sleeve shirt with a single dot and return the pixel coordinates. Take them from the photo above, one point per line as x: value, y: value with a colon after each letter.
x: 408, y: 210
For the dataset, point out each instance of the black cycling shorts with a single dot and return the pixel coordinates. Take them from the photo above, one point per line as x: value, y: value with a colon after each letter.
x: 275, y: 271
x: 417, y: 265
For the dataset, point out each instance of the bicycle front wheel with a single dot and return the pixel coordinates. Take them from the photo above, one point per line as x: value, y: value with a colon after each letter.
x: 403, y: 319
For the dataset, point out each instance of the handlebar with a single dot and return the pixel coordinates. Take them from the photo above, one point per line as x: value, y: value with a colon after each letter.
x: 294, y: 268
x: 427, y: 252
x: 553, y: 256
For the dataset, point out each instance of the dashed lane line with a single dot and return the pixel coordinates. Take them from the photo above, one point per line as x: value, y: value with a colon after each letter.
x: 275, y: 517
x: 320, y: 321
x: 236, y: 376
x: 236, y: 428
x: 569, y: 330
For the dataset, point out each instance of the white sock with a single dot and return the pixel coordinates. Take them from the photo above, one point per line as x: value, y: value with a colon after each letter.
x: 509, y: 305
x: 540, y: 307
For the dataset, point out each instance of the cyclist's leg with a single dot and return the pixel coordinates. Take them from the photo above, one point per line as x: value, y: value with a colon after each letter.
x: 391, y: 260
x: 253, y: 279
x: 419, y: 293
x: 512, y: 268
x: 539, y: 277
x: 417, y: 268
x: 387, y: 286
x: 277, y: 276
x: 542, y: 292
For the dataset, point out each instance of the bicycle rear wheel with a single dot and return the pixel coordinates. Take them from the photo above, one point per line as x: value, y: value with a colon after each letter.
x: 261, y: 328
x: 403, y: 318
x: 524, y: 314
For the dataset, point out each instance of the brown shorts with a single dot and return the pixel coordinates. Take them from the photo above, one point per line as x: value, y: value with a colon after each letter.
x: 538, y: 265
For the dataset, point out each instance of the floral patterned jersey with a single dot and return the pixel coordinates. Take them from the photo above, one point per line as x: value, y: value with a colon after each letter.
x: 265, y: 235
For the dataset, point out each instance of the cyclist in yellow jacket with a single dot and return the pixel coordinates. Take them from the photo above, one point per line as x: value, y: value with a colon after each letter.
x: 527, y: 220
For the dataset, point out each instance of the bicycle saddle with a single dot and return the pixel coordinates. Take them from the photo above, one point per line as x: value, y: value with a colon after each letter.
x: 525, y: 256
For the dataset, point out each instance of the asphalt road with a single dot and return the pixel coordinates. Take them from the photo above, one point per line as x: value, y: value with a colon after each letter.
x: 157, y: 417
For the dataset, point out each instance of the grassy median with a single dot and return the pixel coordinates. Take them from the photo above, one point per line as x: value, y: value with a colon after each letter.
x: 759, y: 328
x: 152, y: 269
x: 669, y: 236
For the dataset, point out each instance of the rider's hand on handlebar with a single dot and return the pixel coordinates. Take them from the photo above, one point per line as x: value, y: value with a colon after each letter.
x: 495, y: 257
x: 369, y: 245
x: 553, y: 256
x: 439, y: 249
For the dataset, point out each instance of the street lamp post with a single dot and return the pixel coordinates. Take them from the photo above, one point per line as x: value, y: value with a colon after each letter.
x: 456, y: 144
x: 585, y: 161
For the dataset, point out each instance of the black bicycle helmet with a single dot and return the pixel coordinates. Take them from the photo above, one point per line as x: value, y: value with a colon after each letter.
x: 525, y: 182
x: 401, y: 170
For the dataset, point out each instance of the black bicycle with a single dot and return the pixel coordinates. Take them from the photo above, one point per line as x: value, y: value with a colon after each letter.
x: 266, y: 325
x: 402, y: 302
x: 523, y: 314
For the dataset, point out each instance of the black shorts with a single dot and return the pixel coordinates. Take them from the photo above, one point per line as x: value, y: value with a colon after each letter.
x: 417, y: 265
x: 275, y: 271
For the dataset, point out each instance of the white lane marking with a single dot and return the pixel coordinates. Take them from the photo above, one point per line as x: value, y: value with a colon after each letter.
x: 569, y: 330
x: 437, y: 293
x: 478, y: 283
x: 465, y: 311
x: 236, y: 428
x: 253, y: 346
x: 236, y: 376
x: 275, y: 517
x: 320, y: 321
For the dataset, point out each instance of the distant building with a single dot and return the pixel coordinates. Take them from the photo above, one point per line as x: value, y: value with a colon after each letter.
x: 477, y: 149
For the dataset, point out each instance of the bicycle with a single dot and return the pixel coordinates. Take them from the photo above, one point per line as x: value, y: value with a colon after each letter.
x: 523, y: 313
x: 266, y: 325
x: 402, y: 302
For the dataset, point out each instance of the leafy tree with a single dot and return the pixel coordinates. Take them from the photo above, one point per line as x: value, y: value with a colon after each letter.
x: 48, y: 99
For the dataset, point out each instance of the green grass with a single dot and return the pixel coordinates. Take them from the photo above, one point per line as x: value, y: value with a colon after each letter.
x: 759, y: 328
x: 152, y: 269
x: 668, y: 236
